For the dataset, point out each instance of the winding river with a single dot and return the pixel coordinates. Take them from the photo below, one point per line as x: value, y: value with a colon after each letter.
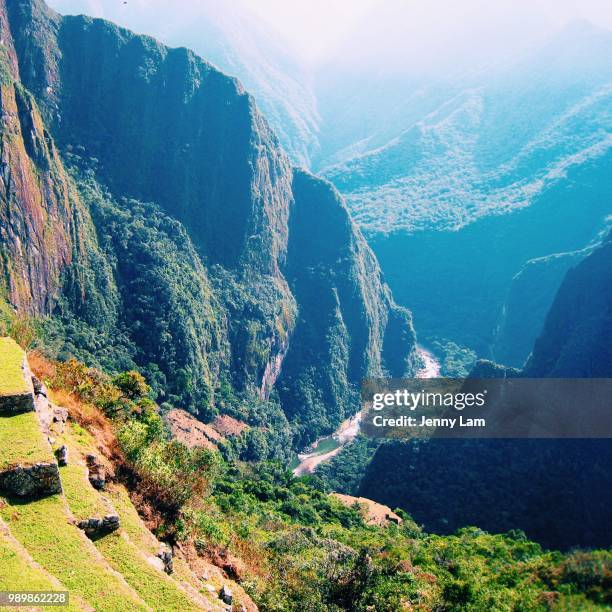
x: 325, y: 448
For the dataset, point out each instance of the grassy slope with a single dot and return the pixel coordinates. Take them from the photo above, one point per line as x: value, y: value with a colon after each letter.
x: 145, y: 541
x: 127, y: 556
x: 43, y: 527
x: 12, y: 381
x: 22, y: 441
x: 18, y: 571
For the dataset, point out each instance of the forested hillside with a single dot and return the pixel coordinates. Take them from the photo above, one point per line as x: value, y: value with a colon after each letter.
x: 164, y: 204
x: 543, y: 486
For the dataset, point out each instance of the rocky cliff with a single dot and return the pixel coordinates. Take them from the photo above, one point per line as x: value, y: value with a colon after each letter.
x: 575, y: 340
x: 150, y: 210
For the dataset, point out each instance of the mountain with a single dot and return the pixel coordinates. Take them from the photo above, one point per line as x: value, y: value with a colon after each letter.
x: 543, y: 486
x: 240, y: 44
x: 529, y: 299
x: 573, y: 342
x: 151, y: 213
x: 511, y: 166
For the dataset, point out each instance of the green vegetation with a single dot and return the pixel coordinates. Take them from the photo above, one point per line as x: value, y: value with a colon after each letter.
x: 142, y: 538
x: 297, y: 547
x: 302, y: 549
x: 157, y: 589
x: 22, y: 328
x: 127, y: 549
x: 83, y: 500
x: 22, y: 441
x: 497, y: 485
x: 44, y: 528
x: 12, y: 379
x: 154, y: 587
x: 343, y: 473
x: 320, y: 555
x: 18, y: 572
x: 455, y: 361
x: 131, y: 523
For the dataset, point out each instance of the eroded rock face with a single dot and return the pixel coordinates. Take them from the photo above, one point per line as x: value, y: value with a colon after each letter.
x: 38, y: 480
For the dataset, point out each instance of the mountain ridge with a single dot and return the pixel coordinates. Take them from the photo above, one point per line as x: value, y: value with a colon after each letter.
x: 180, y: 135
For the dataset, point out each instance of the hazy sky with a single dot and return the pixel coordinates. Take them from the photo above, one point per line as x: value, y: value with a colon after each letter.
x: 318, y: 27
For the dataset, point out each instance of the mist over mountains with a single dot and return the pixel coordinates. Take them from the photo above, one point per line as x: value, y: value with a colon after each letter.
x: 236, y: 40
x: 430, y: 132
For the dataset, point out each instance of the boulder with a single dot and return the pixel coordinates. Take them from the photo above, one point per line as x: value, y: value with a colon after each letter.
x: 95, y: 526
x: 226, y: 595
x: 62, y: 455
x: 165, y: 555
x: 38, y: 480
x: 96, y: 472
x: 111, y: 522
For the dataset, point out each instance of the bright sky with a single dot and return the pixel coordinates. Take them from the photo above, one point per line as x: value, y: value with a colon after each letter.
x: 313, y: 26
x: 317, y: 28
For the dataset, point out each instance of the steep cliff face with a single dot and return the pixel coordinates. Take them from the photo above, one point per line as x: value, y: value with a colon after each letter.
x: 43, y: 227
x: 239, y: 269
x: 528, y: 301
x: 575, y: 340
x: 347, y: 318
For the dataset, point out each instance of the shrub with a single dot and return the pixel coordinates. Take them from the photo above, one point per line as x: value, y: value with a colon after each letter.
x: 170, y: 473
x: 132, y: 384
x: 24, y: 329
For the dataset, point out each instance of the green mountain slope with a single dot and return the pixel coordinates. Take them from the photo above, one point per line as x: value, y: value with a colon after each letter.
x: 543, y: 486
x: 173, y: 241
